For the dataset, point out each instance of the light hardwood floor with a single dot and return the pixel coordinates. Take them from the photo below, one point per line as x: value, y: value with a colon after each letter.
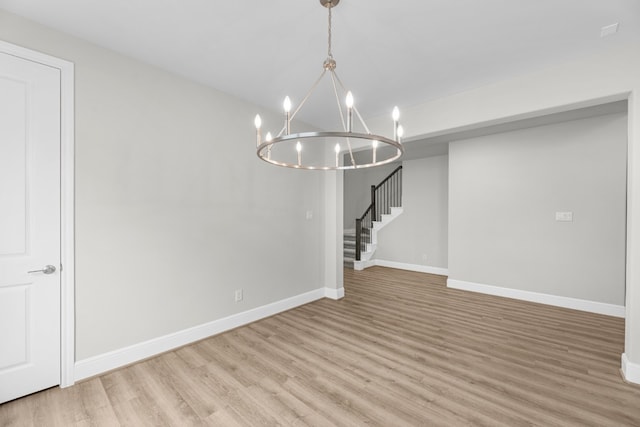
x: 399, y: 349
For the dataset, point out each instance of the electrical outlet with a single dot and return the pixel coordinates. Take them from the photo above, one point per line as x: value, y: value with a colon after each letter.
x: 424, y: 257
x: 238, y: 295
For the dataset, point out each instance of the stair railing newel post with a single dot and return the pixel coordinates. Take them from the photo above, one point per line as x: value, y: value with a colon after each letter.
x: 400, y: 188
x: 358, y: 238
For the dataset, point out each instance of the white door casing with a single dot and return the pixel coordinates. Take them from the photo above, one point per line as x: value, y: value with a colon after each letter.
x: 36, y: 222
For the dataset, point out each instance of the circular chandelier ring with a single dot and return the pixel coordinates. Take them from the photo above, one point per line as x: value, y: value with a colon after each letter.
x: 263, y: 148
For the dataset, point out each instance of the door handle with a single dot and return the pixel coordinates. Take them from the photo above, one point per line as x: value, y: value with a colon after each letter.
x: 48, y: 269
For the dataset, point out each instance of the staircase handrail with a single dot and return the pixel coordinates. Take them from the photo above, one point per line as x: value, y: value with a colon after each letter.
x: 389, y: 177
x: 377, y: 187
x: 365, y: 213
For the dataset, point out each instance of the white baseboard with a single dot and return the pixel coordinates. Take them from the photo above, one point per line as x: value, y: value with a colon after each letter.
x: 361, y: 265
x: 558, y: 301
x: 412, y: 267
x: 334, y: 293
x: 114, y: 359
x: 631, y: 371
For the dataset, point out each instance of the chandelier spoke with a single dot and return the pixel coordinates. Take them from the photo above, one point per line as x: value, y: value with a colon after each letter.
x: 335, y: 92
x: 313, y: 88
x: 355, y: 109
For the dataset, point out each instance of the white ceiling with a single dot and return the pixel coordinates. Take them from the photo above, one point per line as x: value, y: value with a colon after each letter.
x: 388, y: 52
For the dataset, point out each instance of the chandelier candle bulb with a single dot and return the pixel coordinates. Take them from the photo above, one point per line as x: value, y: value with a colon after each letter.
x: 375, y: 147
x: 299, y: 150
x: 395, y: 115
x: 268, y: 138
x: 349, y: 102
x: 258, y: 123
x: 400, y: 133
x: 337, y: 149
x: 287, y: 114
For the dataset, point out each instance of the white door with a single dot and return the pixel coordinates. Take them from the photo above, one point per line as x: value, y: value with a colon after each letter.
x: 29, y: 227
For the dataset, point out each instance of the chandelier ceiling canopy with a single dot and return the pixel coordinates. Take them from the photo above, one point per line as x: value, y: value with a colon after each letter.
x: 323, y: 150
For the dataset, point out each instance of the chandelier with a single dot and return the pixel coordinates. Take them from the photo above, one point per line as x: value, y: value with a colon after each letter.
x: 322, y: 150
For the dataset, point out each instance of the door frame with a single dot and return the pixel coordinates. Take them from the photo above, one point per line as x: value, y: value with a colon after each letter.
x: 67, y: 202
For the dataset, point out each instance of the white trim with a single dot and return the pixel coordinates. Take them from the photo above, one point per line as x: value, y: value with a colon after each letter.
x: 361, y: 265
x: 412, y: 267
x: 559, y: 301
x: 114, y: 359
x: 67, y: 202
x: 365, y: 263
x: 630, y: 371
x: 331, y: 228
x: 335, y: 294
x: 67, y: 156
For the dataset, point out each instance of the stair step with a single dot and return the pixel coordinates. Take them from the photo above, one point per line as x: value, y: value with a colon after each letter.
x: 349, y: 261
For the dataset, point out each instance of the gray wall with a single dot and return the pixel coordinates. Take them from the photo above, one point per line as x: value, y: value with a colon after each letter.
x: 419, y: 235
x: 357, y: 190
x: 505, y: 190
x: 173, y: 209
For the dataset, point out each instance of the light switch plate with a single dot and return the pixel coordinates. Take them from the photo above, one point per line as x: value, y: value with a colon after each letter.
x: 564, y: 216
x: 609, y: 30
